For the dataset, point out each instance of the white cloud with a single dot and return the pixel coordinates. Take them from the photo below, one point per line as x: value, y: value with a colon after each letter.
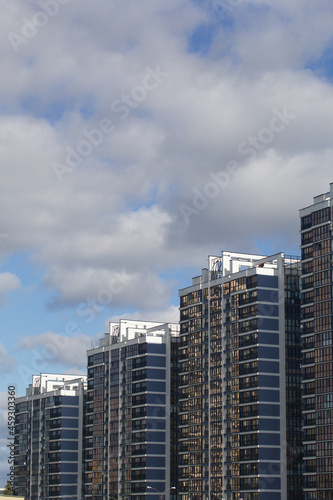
x: 117, y: 213
x: 7, y: 363
x: 9, y: 282
x: 50, y: 349
x: 95, y: 289
x: 291, y: 35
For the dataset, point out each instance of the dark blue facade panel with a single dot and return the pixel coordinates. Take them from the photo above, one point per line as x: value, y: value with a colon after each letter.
x: 156, y: 411
x: 271, y: 296
x: 158, y: 486
x: 269, y: 381
x: 270, y: 469
x: 269, y: 439
x: 271, y: 310
x: 155, y: 386
x: 155, y: 373
x: 68, y: 478
x: 268, y: 324
x: 155, y: 399
x: 268, y: 352
x: 155, y: 461
x: 268, y: 338
x: 266, y: 424
x: 69, y: 400
x: 269, y: 453
x: 156, y: 348
x: 155, y: 424
x: 69, y: 434
x: 155, y: 474
x: 69, y: 445
x: 269, y: 366
x: 269, y: 495
x: 71, y: 423
x: 156, y: 361
x: 267, y: 281
x: 68, y: 456
x: 155, y: 437
x: 68, y: 490
x: 67, y: 411
x: 272, y: 396
x: 68, y: 467
x: 155, y: 449
x: 269, y: 410
x: 270, y: 483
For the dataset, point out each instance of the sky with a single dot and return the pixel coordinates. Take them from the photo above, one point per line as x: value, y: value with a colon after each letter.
x: 136, y: 139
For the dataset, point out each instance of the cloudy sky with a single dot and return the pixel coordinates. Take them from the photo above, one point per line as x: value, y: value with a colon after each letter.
x: 137, y: 138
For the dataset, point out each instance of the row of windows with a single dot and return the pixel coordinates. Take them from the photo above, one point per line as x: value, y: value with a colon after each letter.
x: 307, y: 253
x: 324, y: 323
x: 215, y: 293
x: 307, y: 238
x: 241, y: 299
x: 317, y: 234
x: 96, y: 371
x: 190, y: 312
x: 315, y: 218
x: 323, y: 262
x: 323, y: 308
x: 133, y: 350
x: 307, y: 267
x: 317, y: 310
x: 324, y: 370
x: 239, y: 284
x: 96, y: 359
x: 191, y: 298
x: 320, y: 481
x: 307, y: 282
x: 324, y: 449
x: 318, y: 295
x: 321, y: 248
x: 324, y: 433
x: 245, y: 425
x: 322, y: 278
x: 241, y: 313
x: 324, y: 355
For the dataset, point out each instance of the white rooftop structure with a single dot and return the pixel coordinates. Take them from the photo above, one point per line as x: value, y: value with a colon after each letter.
x: 49, y: 382
x: 126, y: 330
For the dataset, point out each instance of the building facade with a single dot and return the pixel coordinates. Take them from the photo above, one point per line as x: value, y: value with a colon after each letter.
x: 240, y: 397
x: 132, y: 413
x: 49, y: 437
x: 317, y: 308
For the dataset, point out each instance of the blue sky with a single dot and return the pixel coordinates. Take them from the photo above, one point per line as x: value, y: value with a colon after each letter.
x: 136, y: 142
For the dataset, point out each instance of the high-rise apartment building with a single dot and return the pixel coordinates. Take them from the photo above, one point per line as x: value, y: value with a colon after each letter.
x: 317, y: 309
x: 132, y: 413
x: 240, y: 355
x: 48, y: 438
